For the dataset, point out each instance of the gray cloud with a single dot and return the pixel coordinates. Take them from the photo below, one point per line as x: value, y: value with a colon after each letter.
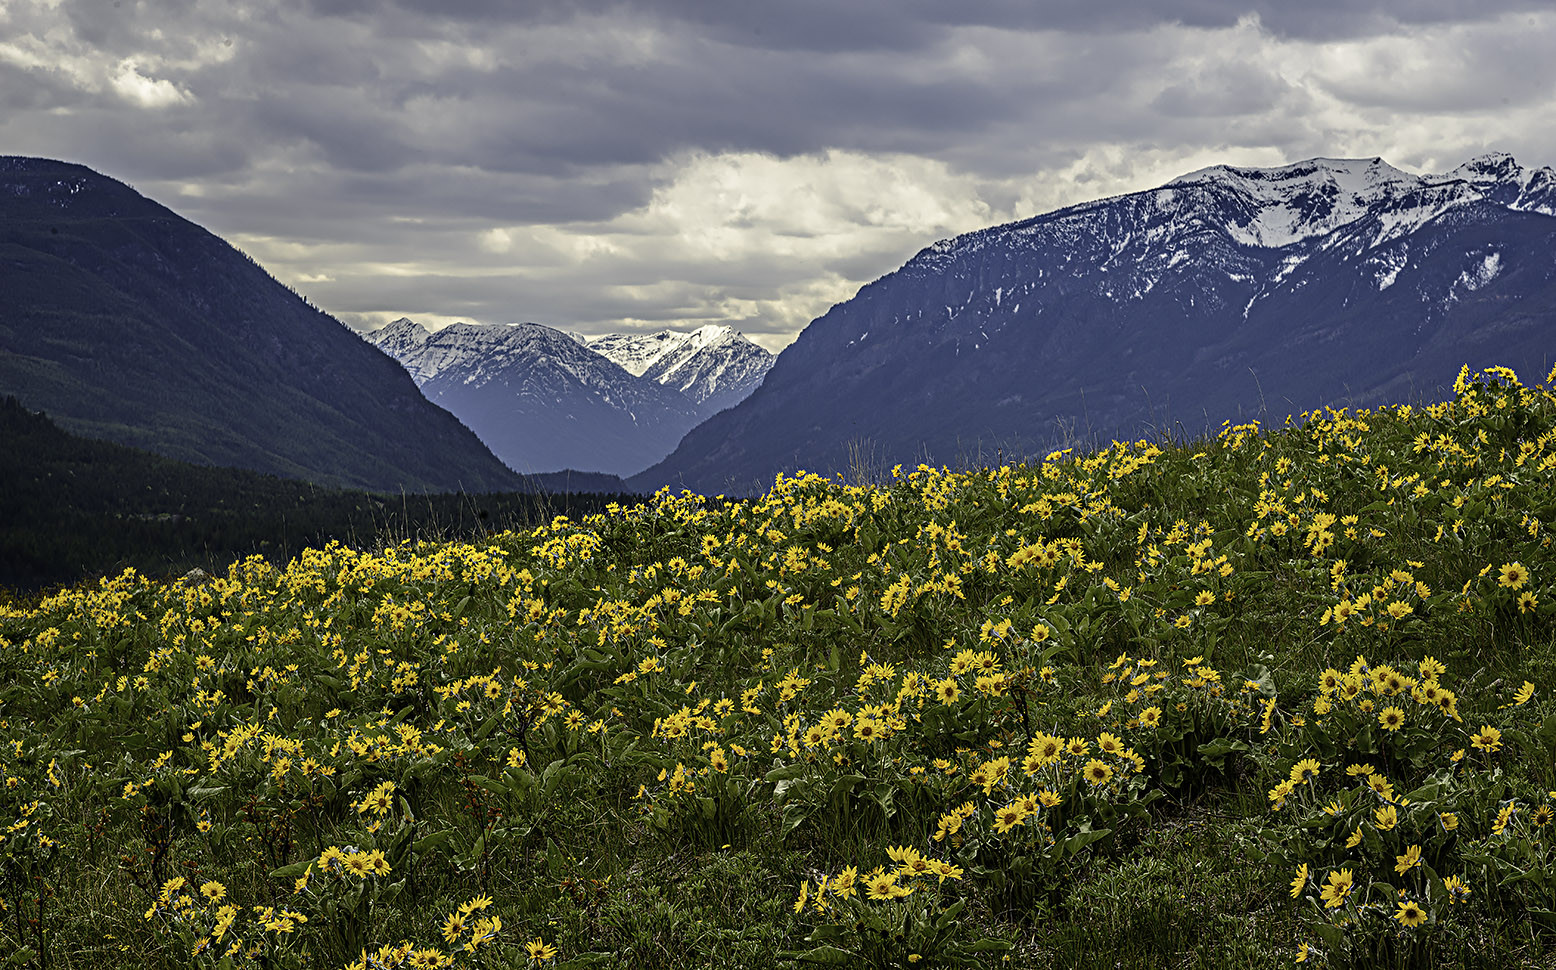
x: 604, y: 164
x: 907, y: 25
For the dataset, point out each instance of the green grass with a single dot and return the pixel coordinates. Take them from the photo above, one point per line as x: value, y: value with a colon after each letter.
x: 696, y: 733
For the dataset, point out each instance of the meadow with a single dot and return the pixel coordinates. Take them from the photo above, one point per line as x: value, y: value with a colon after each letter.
x: 1283, y: 696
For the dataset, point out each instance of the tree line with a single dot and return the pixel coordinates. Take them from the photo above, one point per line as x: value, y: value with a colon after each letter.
x: 74, y: 508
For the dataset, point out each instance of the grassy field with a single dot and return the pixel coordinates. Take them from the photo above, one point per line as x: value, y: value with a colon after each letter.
x: 1280, y: 696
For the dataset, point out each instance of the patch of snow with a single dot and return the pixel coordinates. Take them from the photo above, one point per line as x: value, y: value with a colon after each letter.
x: 1389, y: 266
x: 1288, y: 266
x: 1481, y: 273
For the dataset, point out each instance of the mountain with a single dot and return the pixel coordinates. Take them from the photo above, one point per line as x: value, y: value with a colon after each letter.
x: 540, y: 398
x: 714, y: 365
x: 127, y: 322
x: 1226, y: 294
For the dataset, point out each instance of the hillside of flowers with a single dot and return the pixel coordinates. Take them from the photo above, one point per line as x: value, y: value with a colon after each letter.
x: 1280, y: 696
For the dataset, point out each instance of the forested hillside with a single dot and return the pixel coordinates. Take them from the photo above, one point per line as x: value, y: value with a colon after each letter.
x: 72, y: 508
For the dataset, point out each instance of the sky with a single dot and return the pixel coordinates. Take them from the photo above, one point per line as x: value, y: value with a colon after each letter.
x: 622, y: 166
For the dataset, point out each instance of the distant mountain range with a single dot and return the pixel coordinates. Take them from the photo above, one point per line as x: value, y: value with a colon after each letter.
x: 714, y: 366
x: 126, y: 322
x: 1226, y: 294
x: 545, y: 400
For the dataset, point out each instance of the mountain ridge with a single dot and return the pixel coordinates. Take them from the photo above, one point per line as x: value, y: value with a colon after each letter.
x: 127, y: 322
x: 539, y: 398
x: 715, y: 365
x: 548, y: 400
x: 1120, y: 316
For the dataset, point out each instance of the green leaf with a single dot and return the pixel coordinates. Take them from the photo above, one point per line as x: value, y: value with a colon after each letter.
x: 487, y: 726
x: 1054, y: 650
x: 1330, y: 934
x: 1548, y: 730
x: 1260, y: 675
x: 200, y: 794
x: 945, y: 919
x: 828, y: 932
x: 793, y: 817
x: 786, y: 773
x: 884, y: 794
x: 1083, y: 838
x: 490, y: 784
x: 828, y: 954
x: 433, y: 841
x: 1221, y: 747
x: 469, y: 859
x: 1522, y: 875
x: 843, y: 786
x: 550, y: 779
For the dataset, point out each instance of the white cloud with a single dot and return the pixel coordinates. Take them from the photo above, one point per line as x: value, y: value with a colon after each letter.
x: 143, y: 91
x: 496, y: 240
x: 730, y: 207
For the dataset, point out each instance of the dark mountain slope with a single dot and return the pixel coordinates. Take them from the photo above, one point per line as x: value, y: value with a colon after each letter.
x: 130, y: 323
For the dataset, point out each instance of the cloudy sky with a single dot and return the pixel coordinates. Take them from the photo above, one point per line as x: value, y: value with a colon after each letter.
x: 604, y: 166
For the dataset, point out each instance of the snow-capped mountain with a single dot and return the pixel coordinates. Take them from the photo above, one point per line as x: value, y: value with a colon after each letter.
x: 1225, y: 294
x: 714, y: 365
x: 1278, y: 207
x: 539, y: 398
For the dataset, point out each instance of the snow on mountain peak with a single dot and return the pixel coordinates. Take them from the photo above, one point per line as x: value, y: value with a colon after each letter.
x: 641, y: 352
x: 480, y: 349
x: 1359, y: 178
x: 1490, y: 167
x: 1276, y: 207
x: 1498, y: 178
x: 1279, y: 206
x: 709, y: 368
x: 712, y: 363
x: 400, y: 339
